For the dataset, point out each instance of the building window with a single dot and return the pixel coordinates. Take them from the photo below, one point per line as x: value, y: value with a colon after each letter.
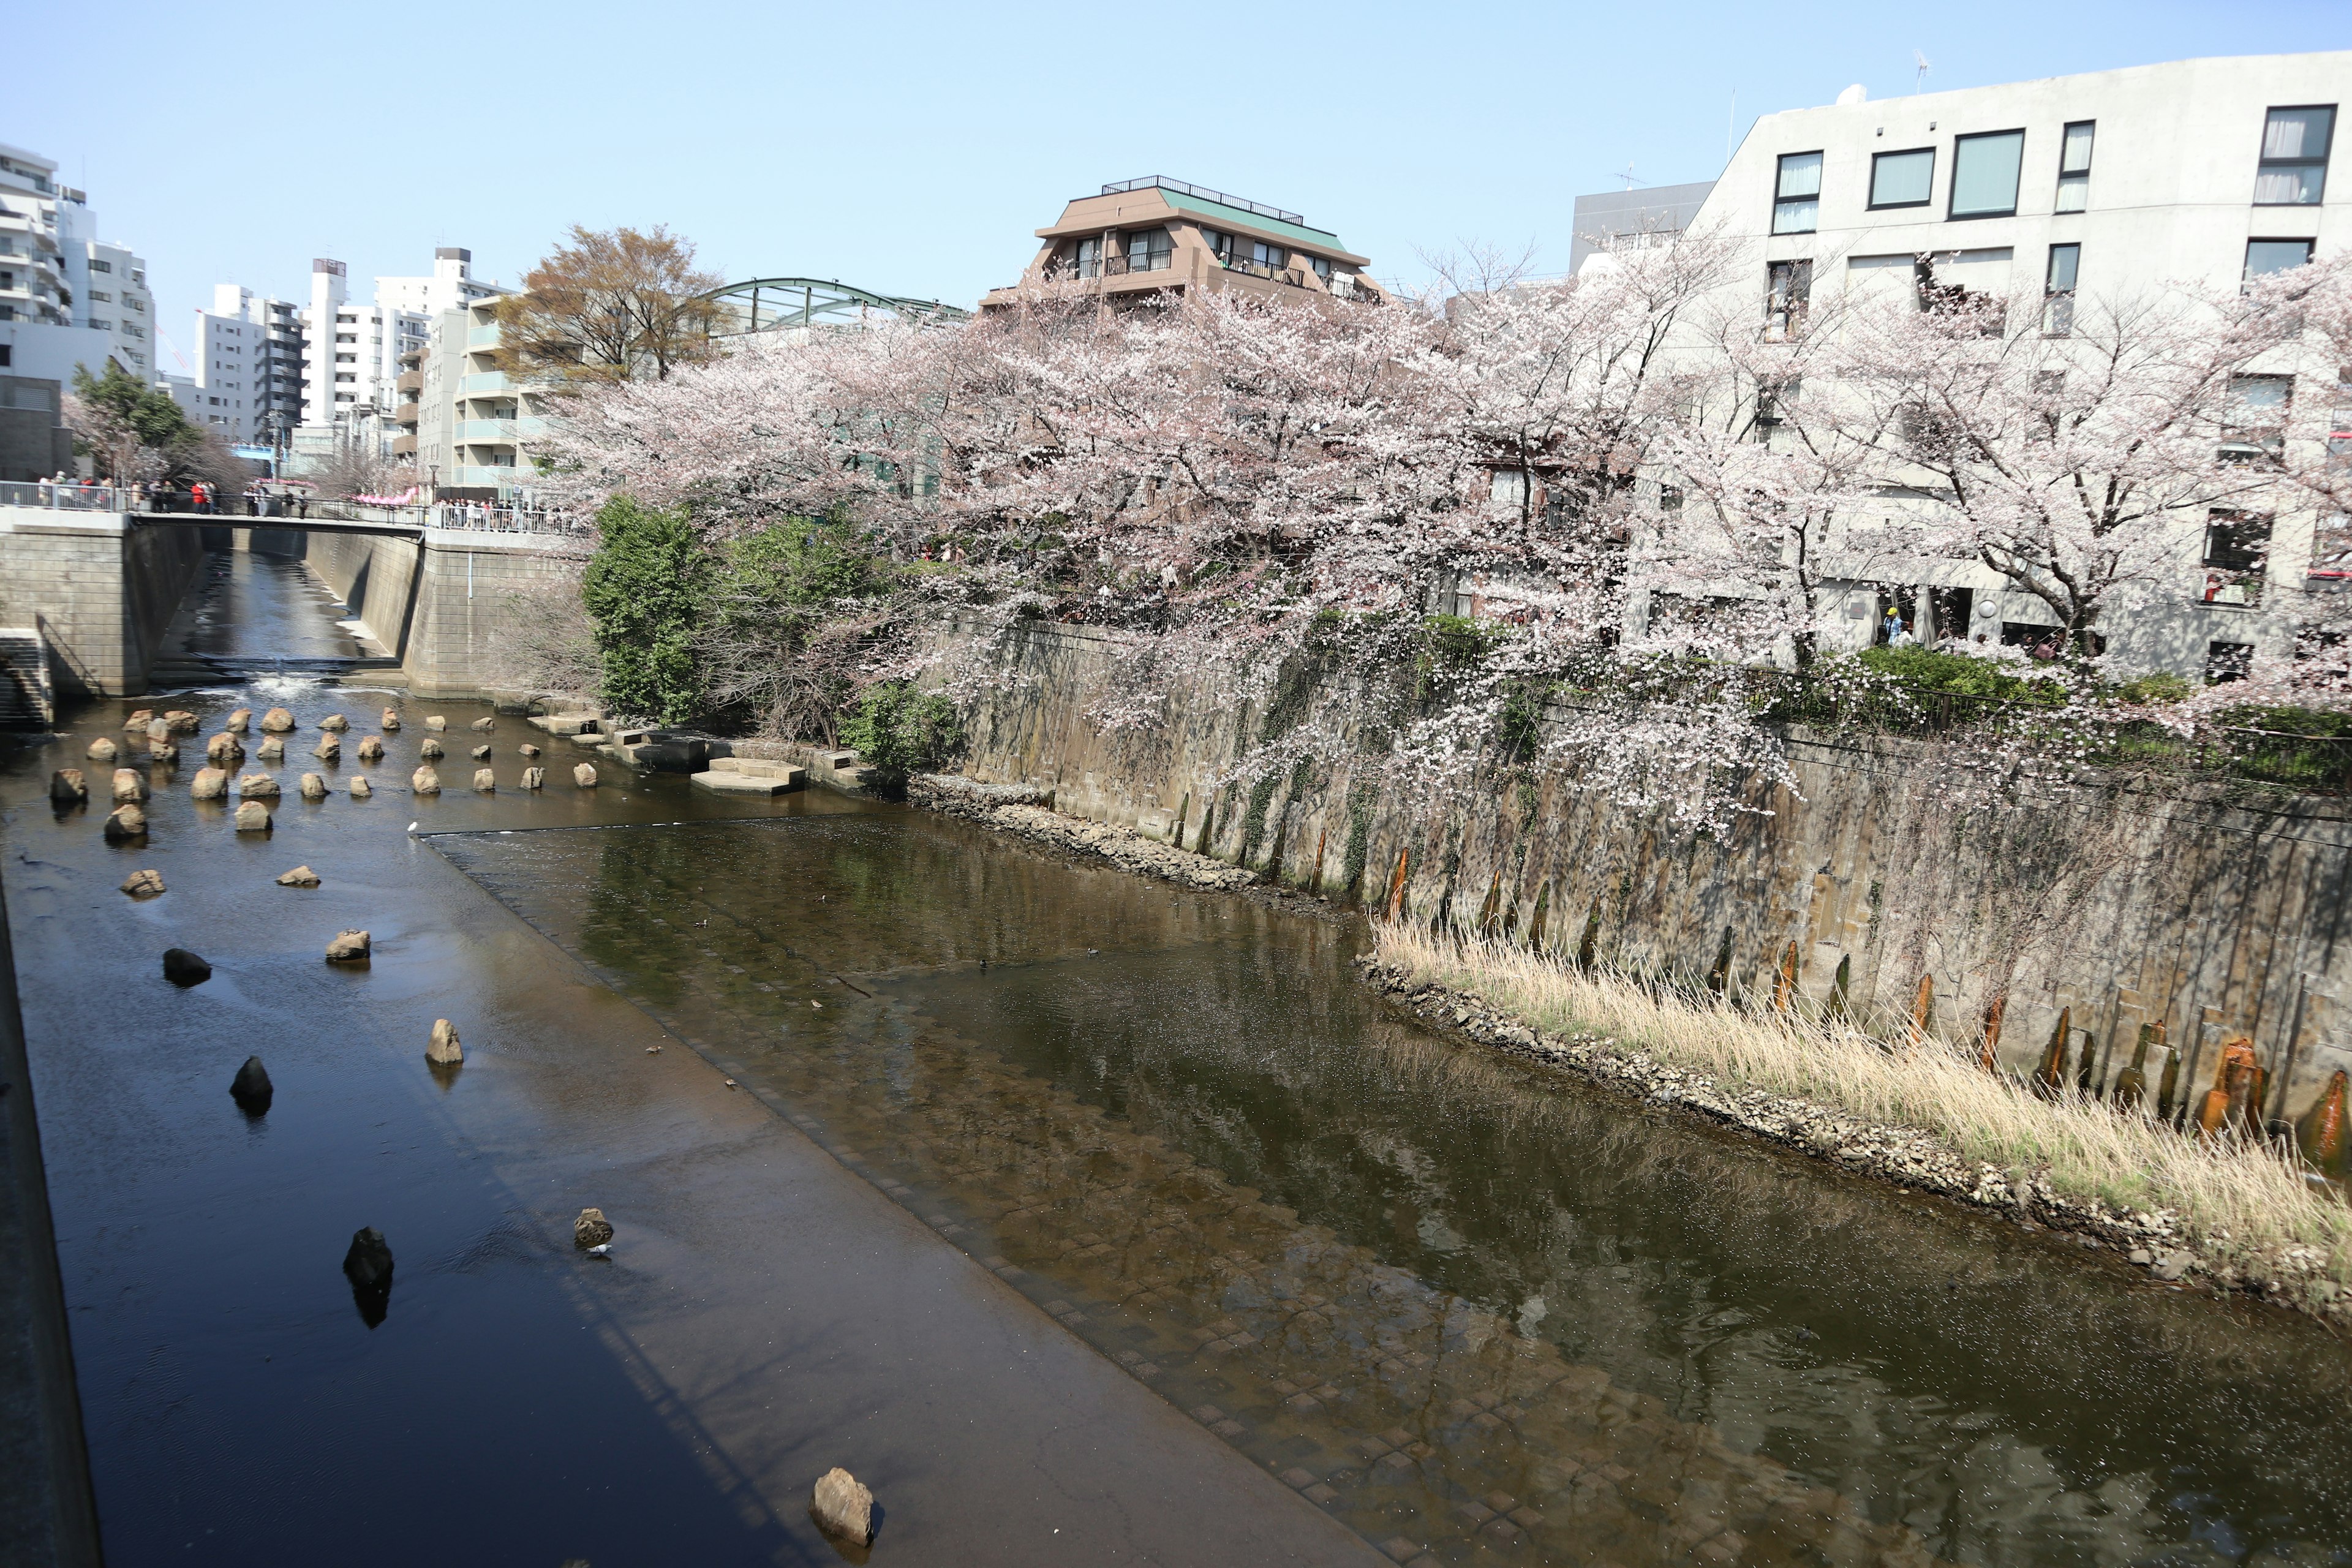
x: 347, y: 337
x: 98, y: 266
x: 2264, y: 257
x: 2058, y: 291
x: 2294, y: 168
x: 1797, y: 193
x: 1086, y: 256
x: 347, y: 359
x: 1902, y: 179
x: 1984, y: 174
x: 2254, y: 430
x: 344, y: 375
x: 2074, y: 166
x: 1322, y: 265
x: 2228, y: 661
x: 2237, y: 545
x: 1788, y: 291
x: 1148, y: 250
x: 1508, y: 487
x: 1272, y: 257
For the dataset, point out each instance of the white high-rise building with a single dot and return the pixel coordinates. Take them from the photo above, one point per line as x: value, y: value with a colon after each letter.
x: 248, y: 369
x: 68, y: 301
x: 451, y: 287
x: 354, y: 349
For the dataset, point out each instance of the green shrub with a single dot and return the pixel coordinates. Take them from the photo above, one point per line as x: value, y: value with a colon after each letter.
x: 1928, y: 669
x: 642, y: 589
x: 899, y: 731
x: 2157, y: 688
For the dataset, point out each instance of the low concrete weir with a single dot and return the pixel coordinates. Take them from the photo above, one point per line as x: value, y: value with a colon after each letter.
x: 101, y: 587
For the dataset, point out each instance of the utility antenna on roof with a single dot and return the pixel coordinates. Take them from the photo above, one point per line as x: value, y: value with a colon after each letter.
x: 1630, y: 178
x: 1920, y: 78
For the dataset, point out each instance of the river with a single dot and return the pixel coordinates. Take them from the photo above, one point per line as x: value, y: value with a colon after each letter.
x: 1043, y: 1197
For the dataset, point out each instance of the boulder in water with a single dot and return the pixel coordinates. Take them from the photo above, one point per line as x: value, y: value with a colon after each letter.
x: 592, y: 1228
x: 143, y: 884
x: 258, y: 786
x: 301, y: 877
x: 481, y: 753
x: 528, y: 751
x: 182, y: 722
x: 327, y: 749
x: 349, y: 947
x: 129, y: 786
x: 238, y: 721
x: 223, y: 746
x: 164, y: 755
x: 485, y: 780
x: 435, y: 721
x: 431, y: 750
x: 127, y: 822
x: 273, y: 750
x: 533, y: 778
x: 251, y: 1087
x: 483, y: 725
x: 842, y: 1507
x: 424, y: 781
x: 182, y: 967
x: 391, y: 719
x: 368, y: 1265
x: 334, y: 723
x: 252, y: 816
x: 443, y: 1049
x: 277, y: 721
x: 68, y: 787
x: 158, y: 731
x: 102, y: 751
x: 314, y: 786
x: 584, y: 775
x: 210, y: 783
x: 138, y: 721
x: 360, y: 788
x: 370, y: 749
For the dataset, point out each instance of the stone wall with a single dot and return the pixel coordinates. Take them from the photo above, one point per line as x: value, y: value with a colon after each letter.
x: 440, y: 608
x: 2208, y: 915
x: 103, y: 589
x: 376, y: 577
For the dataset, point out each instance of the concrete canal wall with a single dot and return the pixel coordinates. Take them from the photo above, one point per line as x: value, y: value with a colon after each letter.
x: 2208, y: 916
x: 103, y: 588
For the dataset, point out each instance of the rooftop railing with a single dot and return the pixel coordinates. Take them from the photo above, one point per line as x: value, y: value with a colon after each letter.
x: 1203, y: 192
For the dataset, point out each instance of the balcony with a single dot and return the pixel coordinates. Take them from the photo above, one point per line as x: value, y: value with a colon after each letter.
x: 476, y: 473
x: 527, y: 428
x: 1295, y: 276
x: 409, y: 380
x: 482, y: 383
x: 482, y: 337
x: 404, y: 445
x: 407, y: 413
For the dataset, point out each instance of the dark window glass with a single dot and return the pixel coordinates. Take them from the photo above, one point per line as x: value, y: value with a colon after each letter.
x: 1789, y: 288
x: 1902, y: 179
x: 1797, y: 193
x: 2058, y: 289
x: 1984, y: 174
x: 2074, y: 166
x: 2294, y: 168
x: 2267, y: 256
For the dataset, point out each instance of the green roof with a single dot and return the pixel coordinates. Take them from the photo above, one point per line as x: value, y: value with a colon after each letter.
x: 1320, y: 237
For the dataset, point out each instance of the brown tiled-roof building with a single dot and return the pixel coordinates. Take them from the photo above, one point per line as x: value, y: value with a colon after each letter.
x: 1140, y: 238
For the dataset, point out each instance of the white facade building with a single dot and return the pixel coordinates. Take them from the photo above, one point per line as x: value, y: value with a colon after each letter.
x: 451, y: 286
x: 67, y: 300
x: 2120, y: 184
x: 250, y: 357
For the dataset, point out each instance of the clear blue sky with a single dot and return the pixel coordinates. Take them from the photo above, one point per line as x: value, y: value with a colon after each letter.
x: 911, y: 148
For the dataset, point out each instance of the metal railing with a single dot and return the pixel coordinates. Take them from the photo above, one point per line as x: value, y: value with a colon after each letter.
x: 1294, y: 276
x: 71, y: 496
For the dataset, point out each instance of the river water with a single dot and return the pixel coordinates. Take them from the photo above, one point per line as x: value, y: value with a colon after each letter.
x: 1470, y: 1309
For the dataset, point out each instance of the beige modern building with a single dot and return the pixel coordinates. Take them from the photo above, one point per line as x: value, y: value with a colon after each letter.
x: 1154, y: 236
x: 473, y: 423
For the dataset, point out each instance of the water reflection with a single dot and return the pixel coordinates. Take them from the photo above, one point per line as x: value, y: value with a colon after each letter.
x: 1473, y: 1308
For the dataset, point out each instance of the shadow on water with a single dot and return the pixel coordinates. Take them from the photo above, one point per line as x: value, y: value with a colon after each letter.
x: 1468, y: 1305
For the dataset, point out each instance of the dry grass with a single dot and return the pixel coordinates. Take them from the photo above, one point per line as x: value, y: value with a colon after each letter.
x: 2237, y: 1198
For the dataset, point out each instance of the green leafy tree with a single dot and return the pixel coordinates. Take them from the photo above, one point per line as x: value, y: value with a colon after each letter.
x: 136, y: 432
x: 642, y: 590
x: 899, y: 731
x: 793, y: 611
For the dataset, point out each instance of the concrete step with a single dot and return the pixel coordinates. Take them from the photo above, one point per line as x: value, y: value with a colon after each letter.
x: 775, y: 778
x: 27, y: 696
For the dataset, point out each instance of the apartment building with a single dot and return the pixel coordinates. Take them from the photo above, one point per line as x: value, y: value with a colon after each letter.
x: 1154, y: 236
x: 450, y: 286
x: 2122, y: 183
x: 474, y: 423
x: 67, y: 299
x: 354, y: 349
x: 250, y: 355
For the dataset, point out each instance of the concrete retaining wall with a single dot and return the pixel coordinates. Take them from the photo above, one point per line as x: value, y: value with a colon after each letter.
x: 2207, y: 916
x: 440, y: 608
x: 103, y: 589
x: 376, y: 577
